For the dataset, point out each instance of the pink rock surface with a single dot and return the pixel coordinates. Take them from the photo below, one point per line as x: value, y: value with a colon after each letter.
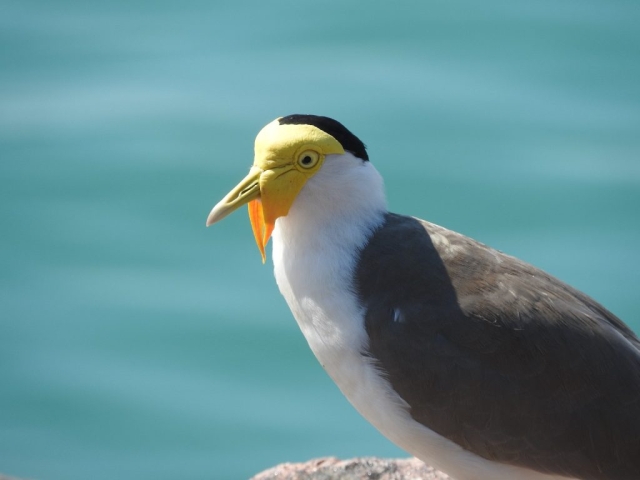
x: 367, y: 468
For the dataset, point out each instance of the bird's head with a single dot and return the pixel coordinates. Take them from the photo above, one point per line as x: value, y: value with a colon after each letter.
x: 288, y: 152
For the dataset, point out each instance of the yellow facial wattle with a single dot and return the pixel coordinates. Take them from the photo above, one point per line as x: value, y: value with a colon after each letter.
x: 286, y: 156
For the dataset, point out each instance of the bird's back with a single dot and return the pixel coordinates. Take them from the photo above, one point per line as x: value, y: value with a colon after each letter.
x: 498, y: 356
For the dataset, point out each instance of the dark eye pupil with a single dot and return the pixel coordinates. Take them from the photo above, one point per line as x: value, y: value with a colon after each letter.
x: 307, y: 160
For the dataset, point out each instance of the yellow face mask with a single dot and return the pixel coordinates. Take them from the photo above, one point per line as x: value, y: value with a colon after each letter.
x: 286, y: 156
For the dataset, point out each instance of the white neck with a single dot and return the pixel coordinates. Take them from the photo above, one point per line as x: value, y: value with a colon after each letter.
x: 315, y: 248
x: 344, y: 198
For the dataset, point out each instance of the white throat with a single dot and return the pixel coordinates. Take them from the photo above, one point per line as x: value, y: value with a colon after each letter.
x: 315, y: 249
x: 345, y: 198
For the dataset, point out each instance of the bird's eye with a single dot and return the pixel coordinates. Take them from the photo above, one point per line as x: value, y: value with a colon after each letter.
x: 308, y: 159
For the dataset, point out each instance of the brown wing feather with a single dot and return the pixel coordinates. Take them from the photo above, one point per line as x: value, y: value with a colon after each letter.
x: 500, y: 357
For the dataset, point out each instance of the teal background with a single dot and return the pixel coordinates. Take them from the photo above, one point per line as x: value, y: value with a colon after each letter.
x: 135, y: 343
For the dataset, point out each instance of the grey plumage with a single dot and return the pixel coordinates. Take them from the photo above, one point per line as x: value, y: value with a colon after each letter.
x: 498, y: 356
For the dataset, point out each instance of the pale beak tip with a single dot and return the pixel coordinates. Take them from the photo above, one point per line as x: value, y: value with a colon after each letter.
x: 215, y: 215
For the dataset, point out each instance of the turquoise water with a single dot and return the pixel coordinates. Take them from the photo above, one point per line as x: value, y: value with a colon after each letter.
x: 137, y: 344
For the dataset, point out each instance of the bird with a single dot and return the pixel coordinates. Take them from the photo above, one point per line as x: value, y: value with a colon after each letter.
x: 471, y: 360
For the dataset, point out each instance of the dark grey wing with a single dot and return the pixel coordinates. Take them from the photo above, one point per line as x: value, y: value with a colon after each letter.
x: 498, y: 356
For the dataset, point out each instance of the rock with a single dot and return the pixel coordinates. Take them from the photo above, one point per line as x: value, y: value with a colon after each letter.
x: 367, y: 468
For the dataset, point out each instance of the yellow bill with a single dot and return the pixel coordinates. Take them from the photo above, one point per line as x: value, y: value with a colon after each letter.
x: 269, y: 195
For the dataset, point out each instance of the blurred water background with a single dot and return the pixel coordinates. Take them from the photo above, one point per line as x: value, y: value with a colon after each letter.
x: 135, y: 343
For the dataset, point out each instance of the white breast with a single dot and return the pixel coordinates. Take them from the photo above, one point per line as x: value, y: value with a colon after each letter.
x: 315, y: 248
